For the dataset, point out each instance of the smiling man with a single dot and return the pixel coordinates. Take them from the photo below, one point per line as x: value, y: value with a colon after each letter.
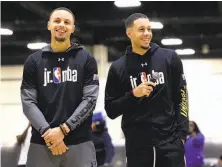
x: 148, y: 88
x: 59, y: 92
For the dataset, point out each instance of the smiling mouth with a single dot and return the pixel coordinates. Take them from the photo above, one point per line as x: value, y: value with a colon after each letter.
x: 146, y: 40
x: 61, y: 31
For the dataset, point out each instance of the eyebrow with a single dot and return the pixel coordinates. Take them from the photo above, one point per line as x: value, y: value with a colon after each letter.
x: 60, y: 18
x: 144, y: 27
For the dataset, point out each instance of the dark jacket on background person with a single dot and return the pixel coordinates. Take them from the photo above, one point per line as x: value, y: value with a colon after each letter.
x: 102, y: 141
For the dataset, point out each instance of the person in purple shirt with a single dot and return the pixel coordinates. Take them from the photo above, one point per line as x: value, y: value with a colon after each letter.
x: 194, y: 146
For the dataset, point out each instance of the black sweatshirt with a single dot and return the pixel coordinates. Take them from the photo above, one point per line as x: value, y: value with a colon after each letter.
x: 60, y: 88
x: 153, y: 120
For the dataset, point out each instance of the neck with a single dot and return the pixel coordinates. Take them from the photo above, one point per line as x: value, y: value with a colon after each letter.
x: 139, y: 50
x: 193, y: 134
x: 60, y: 46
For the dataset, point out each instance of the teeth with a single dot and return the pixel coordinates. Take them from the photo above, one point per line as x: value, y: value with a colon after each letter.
x: 61, y: 31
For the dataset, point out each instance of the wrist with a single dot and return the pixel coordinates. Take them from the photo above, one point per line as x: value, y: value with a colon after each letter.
x: 63, y: 130
x: 133, y: 92
x: 66, y: 128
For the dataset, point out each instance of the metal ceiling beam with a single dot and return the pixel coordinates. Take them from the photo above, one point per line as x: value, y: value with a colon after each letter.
x: 21, y: 25
x: 36, y: 8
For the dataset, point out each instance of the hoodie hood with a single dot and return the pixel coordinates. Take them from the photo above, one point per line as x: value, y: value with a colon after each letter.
x: 151, y: 51
x: 74, y: 46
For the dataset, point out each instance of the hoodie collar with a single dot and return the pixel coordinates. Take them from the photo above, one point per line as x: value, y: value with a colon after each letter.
x: 74, y: 46
x: 152, y: 49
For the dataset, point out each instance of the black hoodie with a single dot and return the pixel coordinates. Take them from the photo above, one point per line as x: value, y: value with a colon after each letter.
x: 163, y: 115
x: 60, y: 88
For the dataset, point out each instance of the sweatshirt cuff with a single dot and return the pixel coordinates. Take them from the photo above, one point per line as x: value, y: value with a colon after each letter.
x: 43, y: 130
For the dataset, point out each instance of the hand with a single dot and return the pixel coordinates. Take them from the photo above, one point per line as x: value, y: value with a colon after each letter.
x: 59, y: 149
x: 183, y: 141
x: 21, y: 138
x: 143, y: 89
x: 53, y: 136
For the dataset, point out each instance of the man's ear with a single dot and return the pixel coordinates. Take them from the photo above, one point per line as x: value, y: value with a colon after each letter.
x: 129, y: 32
x: 48, y: 26
x: 73, y: 28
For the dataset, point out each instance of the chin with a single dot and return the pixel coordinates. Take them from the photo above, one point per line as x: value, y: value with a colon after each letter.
x: 145, y: 47
x: 59, y: 39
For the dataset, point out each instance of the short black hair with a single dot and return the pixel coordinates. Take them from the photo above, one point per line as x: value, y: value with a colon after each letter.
x: 130, y: 20
x: 62, y: 8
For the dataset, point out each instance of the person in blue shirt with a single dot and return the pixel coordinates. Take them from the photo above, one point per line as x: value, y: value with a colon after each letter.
x: 194, y: 146
x: 102, y: 140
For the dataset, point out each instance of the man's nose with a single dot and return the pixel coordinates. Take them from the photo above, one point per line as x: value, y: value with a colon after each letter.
x: 61, y: 24
x: 146, y: 32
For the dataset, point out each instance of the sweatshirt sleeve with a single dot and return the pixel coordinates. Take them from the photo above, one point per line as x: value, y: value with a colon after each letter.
x: 116, y: 100
x: 180, y: 96
x: 29, y: 96
x: 90, y: 95
x: 198, y: 141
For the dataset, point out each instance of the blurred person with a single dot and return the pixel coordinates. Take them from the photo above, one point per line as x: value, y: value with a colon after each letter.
x: 194, y: 146
x: 148, y: 88
x: 24, y: 139
x: 219, y: 164
x: 11, y: 155
x: 21, y: 138
x: 59, y: 91
x: 102, y: 140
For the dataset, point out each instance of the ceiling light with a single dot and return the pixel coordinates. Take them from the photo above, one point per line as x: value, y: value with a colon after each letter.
x: 5, y: 31
x: 171, y: 41
x: 185, y: 51
x: 156, y: 25
x: 37, y: 45
x: 126, y: 4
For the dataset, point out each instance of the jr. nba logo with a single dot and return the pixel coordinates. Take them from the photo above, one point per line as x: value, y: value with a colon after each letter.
x: 57, y: 75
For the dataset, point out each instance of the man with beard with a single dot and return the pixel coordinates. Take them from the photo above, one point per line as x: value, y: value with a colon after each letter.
x: 148, y: 88
x: 59, y: 91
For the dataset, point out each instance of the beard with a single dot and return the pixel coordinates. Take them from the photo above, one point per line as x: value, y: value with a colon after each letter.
x: 60, y: 39
x: 145, y: 47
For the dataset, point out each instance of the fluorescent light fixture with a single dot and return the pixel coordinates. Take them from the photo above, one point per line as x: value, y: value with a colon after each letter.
x: 185, y: 51
x: 156, y: 25
x: 126, y: 4
x: 37, y: 45
x: 171, y: 41
x: 5, y: 31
